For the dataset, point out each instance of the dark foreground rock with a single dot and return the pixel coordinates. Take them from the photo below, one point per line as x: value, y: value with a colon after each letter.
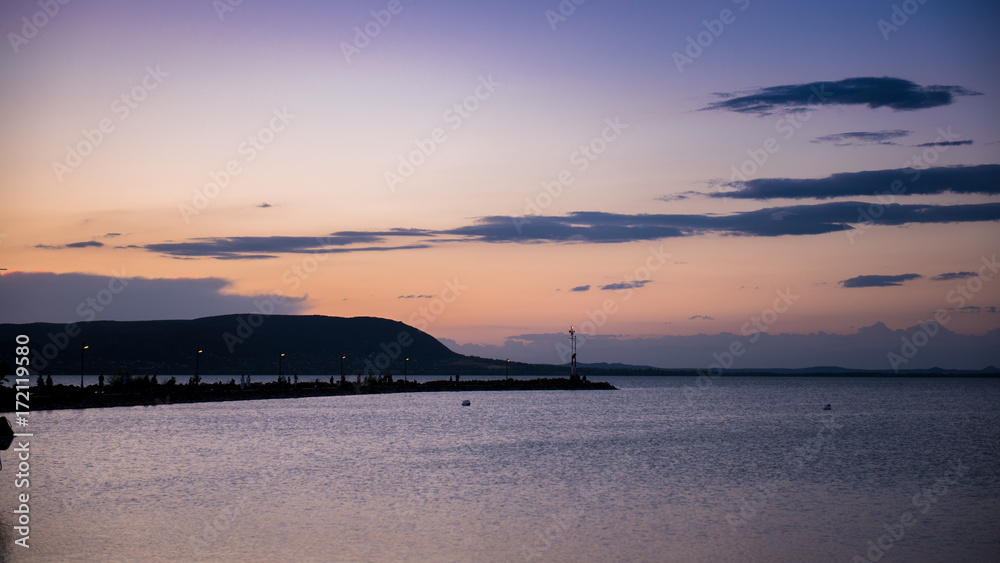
x: 70, y: 397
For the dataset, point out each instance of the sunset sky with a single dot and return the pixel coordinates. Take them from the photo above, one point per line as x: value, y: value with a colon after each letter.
x: 487, y: 171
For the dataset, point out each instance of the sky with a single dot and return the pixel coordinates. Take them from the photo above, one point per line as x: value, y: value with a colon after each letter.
x: 495, y: 173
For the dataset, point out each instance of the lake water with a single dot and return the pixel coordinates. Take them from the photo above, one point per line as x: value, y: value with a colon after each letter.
x: 744, y: 469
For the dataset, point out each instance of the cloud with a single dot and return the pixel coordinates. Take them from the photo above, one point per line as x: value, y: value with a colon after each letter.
x: 415, y: 297
x: 600, y: 227
x: 860, y: 138
x: 945, y: 143
x: 701, y: 317
x: 62, y: 298
x: 678, y: 197
x: 576, y: 227
x: 625, y: 285
x: 879, y: 281
x: 581, y: 288
x: 265, y: 205
x: 258, y: 248
x: 112, y: 235
x: 592, y: 227
x: 874, y: 92
x: 981, y: 179
x: 84, y: 244
x: 975, y: 310
x: 954, y: 276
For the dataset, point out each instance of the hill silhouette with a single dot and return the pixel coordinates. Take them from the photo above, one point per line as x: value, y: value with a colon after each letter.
x: 233, y: 344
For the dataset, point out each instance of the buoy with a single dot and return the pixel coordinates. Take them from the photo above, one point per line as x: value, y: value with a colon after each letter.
x: 466, y: 403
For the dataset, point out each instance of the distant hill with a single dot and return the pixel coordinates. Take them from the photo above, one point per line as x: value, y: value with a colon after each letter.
x: 312, y: 344
x: 231, y: 344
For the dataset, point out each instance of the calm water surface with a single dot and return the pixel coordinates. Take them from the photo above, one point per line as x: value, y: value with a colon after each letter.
x: 746, y: 469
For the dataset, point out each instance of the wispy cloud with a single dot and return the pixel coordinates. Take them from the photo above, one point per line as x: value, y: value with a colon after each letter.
x: 874, y: 92
x: 945, y: 143
x: 243, y: 248
x: 581, y: 288
x: 859, y: 138
x: 84, y: 244
x: 599, y: 227
x: 954, y: 276
x: 415, y: 297
x: 625, y: 285
x: 589, y: 227
x: 971, y: 310
x: 701, y: 317
x: 982, y: 179
x: 879, y: 281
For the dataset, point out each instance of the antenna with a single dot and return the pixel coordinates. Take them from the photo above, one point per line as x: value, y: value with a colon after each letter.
x: 572, y: 342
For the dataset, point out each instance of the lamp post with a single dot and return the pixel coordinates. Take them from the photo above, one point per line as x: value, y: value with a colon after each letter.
x: 82, y: 348
x: 404, y: 367
x: 506, y: 368
x: 197, y: 366
x: 342, y: 356
x: 280, y: 355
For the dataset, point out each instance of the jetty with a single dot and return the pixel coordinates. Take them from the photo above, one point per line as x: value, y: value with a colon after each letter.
x: 139, y: 393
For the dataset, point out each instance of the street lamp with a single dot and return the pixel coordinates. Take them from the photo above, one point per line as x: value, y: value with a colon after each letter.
x: 404, y: 367
x: 82, y: 348
x: 506, y: 368
x: 342, y: 356
x: 280, y: 355
x: 196, y: 363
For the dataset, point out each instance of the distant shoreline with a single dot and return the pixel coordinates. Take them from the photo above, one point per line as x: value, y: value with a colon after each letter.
x: 61, y: 397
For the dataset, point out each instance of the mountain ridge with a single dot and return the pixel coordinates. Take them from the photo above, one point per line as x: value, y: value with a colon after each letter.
x: 312, y: 345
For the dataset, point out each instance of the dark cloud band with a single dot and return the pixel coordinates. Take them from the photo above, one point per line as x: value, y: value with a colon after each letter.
x: 879, y: 281
x: 983, y: 179
x: 874, y: 92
